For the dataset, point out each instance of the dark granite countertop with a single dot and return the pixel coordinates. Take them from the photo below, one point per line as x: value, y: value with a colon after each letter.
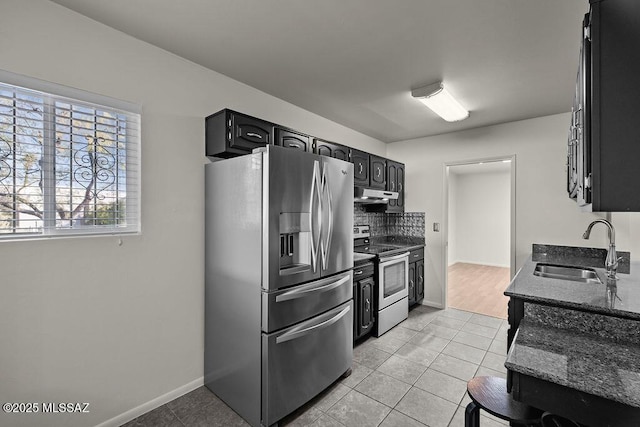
x: 585, y: 362
x: 404, y: 242
x: 621, y: 299
x: 359, y: 258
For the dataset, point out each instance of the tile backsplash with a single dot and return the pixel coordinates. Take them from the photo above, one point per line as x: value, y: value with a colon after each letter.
x: 408, y: 224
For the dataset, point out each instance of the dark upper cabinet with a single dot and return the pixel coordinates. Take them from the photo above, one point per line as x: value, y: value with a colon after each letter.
x: 360, y: 160
x: 378, y: 174
x: 229, y: 134
x: 290, y: 139
x: 603, y: 173
x: 395, y: 182
x: 331, y: 149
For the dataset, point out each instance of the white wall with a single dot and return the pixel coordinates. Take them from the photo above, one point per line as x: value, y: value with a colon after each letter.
x: 86, y: 320
x: 544, y: 214
x: 452, y: 248
x: 479, y: 226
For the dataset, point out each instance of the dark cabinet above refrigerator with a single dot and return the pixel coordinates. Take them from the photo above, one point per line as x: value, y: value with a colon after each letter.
x: 331, y: 149
x: 379, y: 182
x: 604, y: 142
x: 231, y: 134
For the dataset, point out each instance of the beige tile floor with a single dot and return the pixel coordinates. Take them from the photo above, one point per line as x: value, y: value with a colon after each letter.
x: 414, y: 375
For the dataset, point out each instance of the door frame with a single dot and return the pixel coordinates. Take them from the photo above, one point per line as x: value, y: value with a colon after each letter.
x: 445, y: 216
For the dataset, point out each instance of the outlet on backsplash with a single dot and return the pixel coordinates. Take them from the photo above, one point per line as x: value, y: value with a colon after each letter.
x: 409, y: 224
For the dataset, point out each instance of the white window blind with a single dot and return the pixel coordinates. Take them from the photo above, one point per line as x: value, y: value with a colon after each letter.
x: 67, y: 166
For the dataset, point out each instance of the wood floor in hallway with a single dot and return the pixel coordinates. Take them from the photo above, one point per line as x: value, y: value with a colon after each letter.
x: 478, y: 288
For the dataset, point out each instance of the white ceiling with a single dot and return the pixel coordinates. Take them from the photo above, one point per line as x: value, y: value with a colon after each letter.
x: 355, y: 61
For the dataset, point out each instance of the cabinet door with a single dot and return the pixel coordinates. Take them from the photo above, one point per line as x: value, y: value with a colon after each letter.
x: 330, y: 149
x: 365, y: 295
x: 420, y: 280
x: 290, y: 139
x: 360, y: 161
x: 378, y: 168
x: 230, y: 134
x: 395, y: 182
x: 391, y: 184
x: 400, y: 187
x: 412, y: 284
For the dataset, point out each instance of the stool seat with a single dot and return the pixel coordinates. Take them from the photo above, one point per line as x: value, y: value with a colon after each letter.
x: 490, y: 394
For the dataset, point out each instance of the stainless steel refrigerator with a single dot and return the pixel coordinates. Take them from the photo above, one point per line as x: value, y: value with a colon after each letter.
x: 278, y: 279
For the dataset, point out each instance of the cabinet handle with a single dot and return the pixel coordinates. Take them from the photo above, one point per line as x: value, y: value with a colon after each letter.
x: 367, y: 304
x: 357, y: 273
x: 393, y: 186
x: 416, y: 255
x: 255, y: 135
x: 399, y: 186
x: 360, y: 168
x: 379, y: 173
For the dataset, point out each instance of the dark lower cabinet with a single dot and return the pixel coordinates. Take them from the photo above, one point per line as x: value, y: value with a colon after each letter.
x: 331, y: 149
x: 412, y: 284
x: 290, y: 139
x: 365, y: 306
x: 229, y: 134
x: 419, y: 280
x: 363, y: 300
x: 416, y: 276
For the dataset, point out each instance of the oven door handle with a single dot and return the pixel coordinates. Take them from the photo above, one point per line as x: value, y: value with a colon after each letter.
x: 294, y: 334
x: 393, y: 258
x: 303, y: 292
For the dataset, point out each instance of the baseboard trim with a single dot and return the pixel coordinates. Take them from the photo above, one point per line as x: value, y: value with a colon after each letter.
x: 432, y: 304
x: 131, y: 414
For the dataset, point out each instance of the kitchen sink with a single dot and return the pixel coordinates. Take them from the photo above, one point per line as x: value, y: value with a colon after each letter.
x: 576, y: 274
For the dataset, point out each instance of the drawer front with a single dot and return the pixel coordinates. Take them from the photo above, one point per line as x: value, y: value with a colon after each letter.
x: 362, y: 271
x: 292, y: 305
x: 416, y: 255
x: 301, y: 361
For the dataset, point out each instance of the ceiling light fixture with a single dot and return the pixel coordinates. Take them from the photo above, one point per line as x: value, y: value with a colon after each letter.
x: 440, y: 101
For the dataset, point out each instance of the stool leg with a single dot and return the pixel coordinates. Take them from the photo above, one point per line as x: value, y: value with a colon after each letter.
x: 472, y: 415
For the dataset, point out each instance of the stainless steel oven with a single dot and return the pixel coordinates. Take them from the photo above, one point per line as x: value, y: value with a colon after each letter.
x: 393, y: 290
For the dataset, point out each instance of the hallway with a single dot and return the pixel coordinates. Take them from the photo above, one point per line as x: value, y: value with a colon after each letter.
x: 478, y: 288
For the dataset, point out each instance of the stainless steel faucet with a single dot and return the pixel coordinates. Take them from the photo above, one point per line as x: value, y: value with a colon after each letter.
x: 611, y: 263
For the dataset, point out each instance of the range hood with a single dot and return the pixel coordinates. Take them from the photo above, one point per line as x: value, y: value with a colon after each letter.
x: 371, y: 196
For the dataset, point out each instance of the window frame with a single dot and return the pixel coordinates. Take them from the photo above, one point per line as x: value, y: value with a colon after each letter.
x: 51, y: 94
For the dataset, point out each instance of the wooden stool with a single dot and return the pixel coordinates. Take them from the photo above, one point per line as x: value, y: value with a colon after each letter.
x: 490, y: 394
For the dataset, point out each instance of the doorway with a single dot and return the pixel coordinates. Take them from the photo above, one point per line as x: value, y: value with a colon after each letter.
x: 479, y: 234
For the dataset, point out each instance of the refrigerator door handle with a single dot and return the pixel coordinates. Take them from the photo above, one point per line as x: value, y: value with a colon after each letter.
x: 304, y: 292
x: 326, y: 244
x: 314, y: 217
x: 294, y: 334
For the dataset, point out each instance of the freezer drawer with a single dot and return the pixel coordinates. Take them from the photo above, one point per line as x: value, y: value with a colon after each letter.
x: 292, y: 305
x: 301, y: 361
